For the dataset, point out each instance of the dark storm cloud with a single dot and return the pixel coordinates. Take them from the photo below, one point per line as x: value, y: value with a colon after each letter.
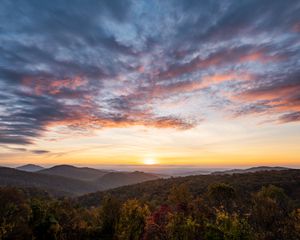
x: 114, y: 63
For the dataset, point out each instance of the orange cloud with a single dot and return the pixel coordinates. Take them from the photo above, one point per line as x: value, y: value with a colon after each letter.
x: 190, y: 86
x: 90, y: 122
x: 271, y: 99
x: 258, y: 57
x: 221, y: 58
x: 218, y: 78
x: 177, y: 87
x: 269, y: 93
x: 53, y: 86
x: 71, y: 83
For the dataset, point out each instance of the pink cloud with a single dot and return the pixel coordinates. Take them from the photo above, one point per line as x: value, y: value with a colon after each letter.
x: 53, y: 86
x: 221, y: 58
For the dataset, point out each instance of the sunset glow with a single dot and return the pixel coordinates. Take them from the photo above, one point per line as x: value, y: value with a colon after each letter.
x: 150, y: 161
x: 110, y: 82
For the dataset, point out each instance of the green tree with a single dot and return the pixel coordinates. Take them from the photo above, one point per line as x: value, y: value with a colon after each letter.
x: 271, y: 214
x: 180, y: 196
x: 132, y: 221
x: 69, y: 218
x: 14, y: 214
x: 181, y: 227
x: 233, y: 227
x: 222, y: 195
x: 212, y: 232
x: 109, y: 216
x: 296, y: 220
x: 43, y: 223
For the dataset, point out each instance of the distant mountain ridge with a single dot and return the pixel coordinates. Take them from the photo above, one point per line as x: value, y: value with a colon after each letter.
x: 158, y: 190
x: 81, y: 173
x: 67, y: 180
x: 30, y: 168
x: 118, y: 179
x: 56, y: 185
x: 251, y: 170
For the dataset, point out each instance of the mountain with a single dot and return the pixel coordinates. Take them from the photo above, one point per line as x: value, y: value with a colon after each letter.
x: 104, y: 179
x: 191, y: 173
x: 56, y: 185
x: 30, y: 168
x: 81, y: 173
x: 117, y: 179
x: 243, y: 203
x: 67, y: 180
x: 246, y: 183
x: 251, y: 170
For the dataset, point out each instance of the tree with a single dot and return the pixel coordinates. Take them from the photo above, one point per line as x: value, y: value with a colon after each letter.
x: 222, y: 195
x: 181, y: 227
x: 109, y: 216
x: 180, y: 196
x: 132, y: 221
x: 44, y: 224
x: 156, y: 224
x: 271, y: 214
x: 296, y: 220
x: 233, y: 227
x: 14, y: 214
x: 212, y: 232
x: 153, y: 231
x: 69, y: 219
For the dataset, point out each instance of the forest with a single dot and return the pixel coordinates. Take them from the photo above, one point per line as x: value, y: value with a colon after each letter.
x: 254, y: 206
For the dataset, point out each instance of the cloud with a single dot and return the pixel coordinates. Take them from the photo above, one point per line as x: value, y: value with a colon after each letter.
x: 14, y: 148
x: 275, y: 94
x: 289, y: 117
x: 40, y: 151
x: 17, y: 149
x: 113, y: 63
x: 222, y: 57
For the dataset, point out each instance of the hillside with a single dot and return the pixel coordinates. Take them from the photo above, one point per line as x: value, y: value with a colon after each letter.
x: 56, y: 185
x: 81, y: 173
x: 117, y: 179
x: 244, y: 184
x: 63, y: 181
x: 251, y: 170
x: 258, y: 206
x: 30, y: 168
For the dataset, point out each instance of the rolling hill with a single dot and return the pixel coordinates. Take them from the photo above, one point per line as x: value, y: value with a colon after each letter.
x: 117, y: 179
x: 251, y: 170
x: 249, y: 194
x: 244, y: 183
x: 67, y: 180
x: 81, y: 173
x: 30, y: 168
x: 56, y: 185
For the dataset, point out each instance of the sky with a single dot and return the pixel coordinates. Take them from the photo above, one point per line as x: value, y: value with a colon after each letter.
x: 175, y: 82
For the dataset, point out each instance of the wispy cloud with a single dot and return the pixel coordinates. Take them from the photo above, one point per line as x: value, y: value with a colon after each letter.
x: 107, y: 63
x: 16, y: 149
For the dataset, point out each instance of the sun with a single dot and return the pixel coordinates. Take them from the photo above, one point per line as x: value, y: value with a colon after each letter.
x: 149, y: 161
